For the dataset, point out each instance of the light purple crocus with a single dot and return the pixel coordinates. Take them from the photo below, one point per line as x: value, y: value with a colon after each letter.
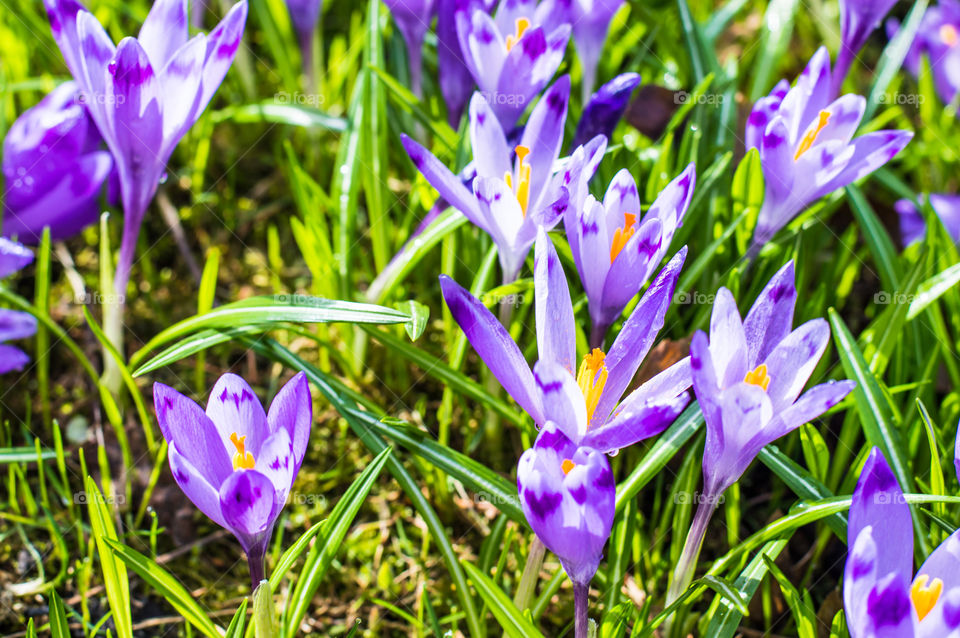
x: 881, y: 595
x: 144, y: 93
x: 937, y: 38
x: 858, y: 19
x: 616, y: 249
x: 413, y: 19
x: 515, y: 190
x: 591, y: 21
x: 582, y: 401
x: 13, y: 324
x: 304, y: 15
x: 807, y: 148
x: 912, y: 225
x: 513, y: 54
x: 747, y: 377
x: 236, y: 462
x: 54, y: 168
x: 605, y: 108
x: 456, y: 81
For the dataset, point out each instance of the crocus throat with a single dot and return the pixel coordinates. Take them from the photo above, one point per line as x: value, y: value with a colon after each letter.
x: 242, y: 460
x: 811, y: 137
x: 758, y: 376
x: 522, y: 25
x: 949, y: 35
x: 591, y: 378
x: 622, y: 235
x: 522, y: 189
x: 567, y: 465
x: 925, y: 596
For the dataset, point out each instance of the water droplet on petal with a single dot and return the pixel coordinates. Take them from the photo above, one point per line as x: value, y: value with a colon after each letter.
x: 612, y: 453
x: 163, y: 178
x: 112, y: 67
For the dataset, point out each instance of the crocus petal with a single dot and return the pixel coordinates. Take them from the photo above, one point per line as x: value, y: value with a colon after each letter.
x: 456, y: 83
x: 13, y: 257
x: 763, y: 112
x: 944, y: 563
x: 275, y: 460
x: 292, y: 410
x: 483, y: 48
x: 728, y: 348
x: 870, y: 152
x: 947, y: 208
x: 234, y: 409
x: 222, y: 45
x: 556, y: 331
x: 447, y: 184
x: 543, y: 135
x: 12, y: 359
x: 809, y: 406
x: 706, y: 385
x: 561, y: 399
x: 184, y: 423
x: 638, y: 334
x: 503, y: 219
x: 181, y: 87
x: 527, y: 68
x: 16, y: 325
x: 672, y: 203
x: 164, y: 31
x: 771, y: 316
x: 605, y: 108
x: 912, y: 225
x: 733, y: 443
x: 643, y: 419
x: 249, y: 504
x: 793, y: 360
x: 97, y: 53
x: 494, y: 345
x: 594, y: 252
x: 631, y: 269
x: 490, y: 152
x: 621, y: 197
x: 195, y: 485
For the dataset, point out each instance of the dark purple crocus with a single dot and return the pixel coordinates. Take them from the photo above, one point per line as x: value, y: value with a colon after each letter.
x: 513, y: 54
x: 304, y: 15
x: 937, y: 39
x: 912, y: 225
x: 456, y: 81
x: 413, y: 19
x: 236, y: 462
x: 747, y: 378
x: 616, y: 249
x: 54, y: 168
x: 881, y: 595
x: 581, y: 399
x: 858, y: 19
x: 13, y: 324
x: 605, y: 108
x: 515, y: 190
x: 144, y: 93
x: 568, y: 497
x: 807, y: 148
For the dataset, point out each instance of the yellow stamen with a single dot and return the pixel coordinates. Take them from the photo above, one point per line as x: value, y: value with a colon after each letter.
x: 925, y: 597
x: 242, y: 460
x: 522, y: 25
x: 758, y: 376
x: 949, y: 35
x: 591, y: 378
x: 811, y: 136
x: 522, y: 189
x: 622, y: 235
x: 567, y: 465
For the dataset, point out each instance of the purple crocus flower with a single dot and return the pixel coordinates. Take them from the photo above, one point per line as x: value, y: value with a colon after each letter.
x: 13, y: 324
x: 881, y: 595
x: 807, y: 148
x: 912, y: 225
x: 516, y: 191
x: 304, y: 15
x: 858, y: 19
x: 236, y: 462
x: 937, y: 38
x: 144, y: 93
x: 413, y: 20
x: 591, y: 21
x: 747, y: 378
x: 456, y: 81
x: 616, y: 249
x: 512, y: 55
x: 605, y: 108
x: 582, y: 401
x: 54, y: 168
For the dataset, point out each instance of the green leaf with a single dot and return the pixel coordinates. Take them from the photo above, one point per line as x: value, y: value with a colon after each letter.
x: 195, y: 343
x: 114, y: 572
x: 167, y: 586
x: 881, y: 246
x: 24, y: 455
x: 511, y: 619
x: 803, y: 615
x: 274, y: 113
x: 58, y: 617
x: 418, y: 313
x: 292, y: 553
x: 777, y: 27
x: 815, y: 451
x: 235, y: 628
x: 893, y: 56
x: 932, y: 289
x: 724, y: 623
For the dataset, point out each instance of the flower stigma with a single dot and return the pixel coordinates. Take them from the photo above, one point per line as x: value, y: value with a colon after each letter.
x: 242, y: 460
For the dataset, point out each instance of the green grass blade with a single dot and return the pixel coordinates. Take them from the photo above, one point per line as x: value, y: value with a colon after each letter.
x: 511, y: 619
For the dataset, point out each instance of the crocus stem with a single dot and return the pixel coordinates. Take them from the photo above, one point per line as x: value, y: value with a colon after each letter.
x: 528, y: 581
x: 309, y: 68
x: 255, y: 562
x: 683, y: 573
x: 598, y: 333
x: 581, y: 597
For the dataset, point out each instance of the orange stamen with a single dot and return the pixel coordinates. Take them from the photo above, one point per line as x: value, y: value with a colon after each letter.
x: 522, y: 189
x: 949, y: 35
x: 242, y: 460
x: 592, y: 377
x: 522, y: 25
x: 811, y: 137
x: 758, y: 376
x: 925, y: 597
x: 622, y: 235
x: 567, y: 465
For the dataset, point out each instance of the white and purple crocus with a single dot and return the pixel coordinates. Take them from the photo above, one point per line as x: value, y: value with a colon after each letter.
x: 513, y: 54
x: 413, y: 18
x: 144, y: 93
x: 54, y: 168
x: 515, y: 190
x: 938, y: 38
x: 747, y: 377
x: 13, y: 323
x: 616, y: 248
x: 236, y: 462
x: 913, y: 227
x: 858, y: 19
x: 806, y: 144
x: 882, y: 597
